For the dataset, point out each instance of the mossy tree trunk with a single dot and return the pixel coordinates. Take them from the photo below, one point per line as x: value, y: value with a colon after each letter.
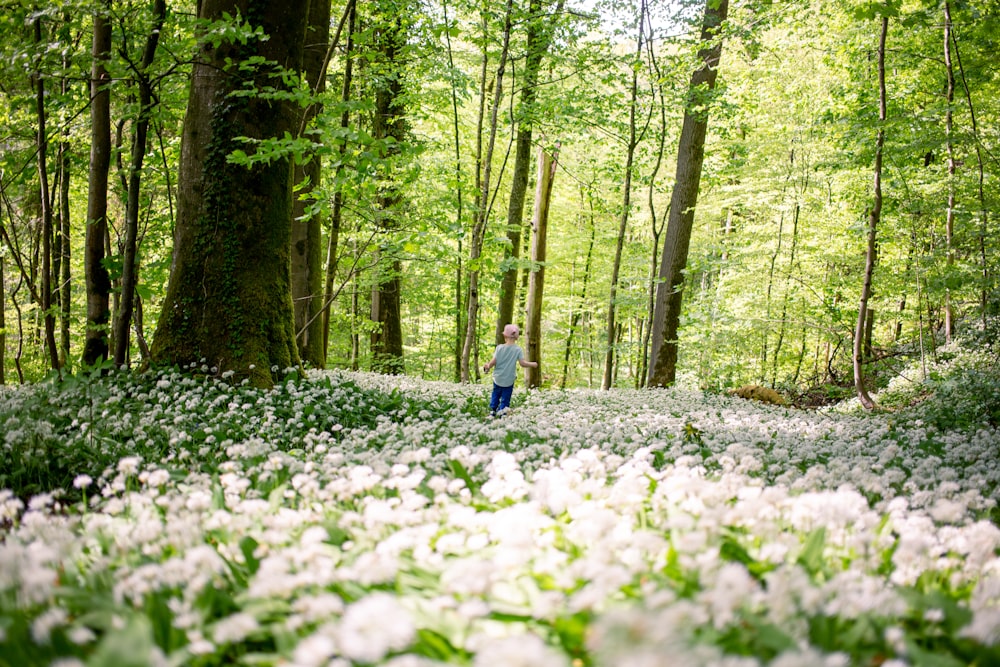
x: 228, y: 303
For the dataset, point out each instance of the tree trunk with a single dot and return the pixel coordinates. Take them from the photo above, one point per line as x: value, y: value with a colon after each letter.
x: 536, y: 281
x: 574, y: 321
x: 782, y: 326
x: 61, y: 264
x: 355, y: 314
x: 609, y: 354
x: 139, y: 147
x: 458, y: 196
x: 228, y: 303
x: 389, y: 124
x: 482, y: 212
x: 95, y: 273
x: 64, y: 291
x: 336, y: 216
x: 3, y: 323
x: 987, y: 279
x: 766, y: 331
x: 690, y: 156
x: 949, y: 218
x: 873, y: 219
x: 307, y: 228
x: 46, y: 209
x: 538, y: 38
x: 656, y: 228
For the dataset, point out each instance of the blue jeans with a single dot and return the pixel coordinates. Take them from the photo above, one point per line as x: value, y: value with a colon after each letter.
x: 500, y: 400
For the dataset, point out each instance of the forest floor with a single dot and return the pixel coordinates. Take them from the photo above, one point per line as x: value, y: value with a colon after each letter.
x: 356, y: 519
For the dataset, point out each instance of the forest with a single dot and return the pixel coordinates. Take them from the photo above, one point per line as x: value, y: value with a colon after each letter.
x: 786, y: 194
x: 255, y: 256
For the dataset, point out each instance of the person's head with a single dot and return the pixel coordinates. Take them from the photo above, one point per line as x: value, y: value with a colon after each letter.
x: 511, y: 332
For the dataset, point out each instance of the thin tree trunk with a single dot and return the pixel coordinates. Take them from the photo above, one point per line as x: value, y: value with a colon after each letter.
x: 482, y: 213
x: 539, y: 37
x: 389, y: 123
x: 577, y: 313
x: 307, y: 228
x: 949, y: 218
x: 656, y: 228
x: 46, y: 210
x: 458, y: 197
x: 536, y: 281
x: 920, y: 322
x: 765, y: 347
x: 65, y: 292
x: 61, y: 267
x: 987, y: 279
x: 96, y: 274
x: 336, y: 216
x: 3, y: 322
x: 785, y: 297
x: 873, y: 220
x: 690, y: 156
x: 19, y: 352
x: 139, y: 147
x: 355, y: 315
x: 609, y: 353
x: 140, y: 336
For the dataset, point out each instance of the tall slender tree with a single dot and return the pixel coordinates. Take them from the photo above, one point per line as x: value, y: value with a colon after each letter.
x: 536, y: 279
x: 307, y: 228
x: 687, y: 181
x: 45, y: 200
x: 949, y: 215
x: 874, y: 216
x: 577, y: 312
x: 348, y: 18
x: 389, y: 128
x: 633, y: 142
x: 140, y: 145
x: 541, y: 28
x: 483, y: 208
x: 96, y: 273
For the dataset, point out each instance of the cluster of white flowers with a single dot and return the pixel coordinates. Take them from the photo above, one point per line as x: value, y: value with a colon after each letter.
x: 627, y: 525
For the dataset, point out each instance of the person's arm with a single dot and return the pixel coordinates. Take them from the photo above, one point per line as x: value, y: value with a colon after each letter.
x: 528, y: 364
x: 491, y: 364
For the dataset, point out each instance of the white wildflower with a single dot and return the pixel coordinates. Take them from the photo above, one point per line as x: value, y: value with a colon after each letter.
x: 235, y: 628
x: 46, y: 622
x: 129, y: 465
x: 526, y: 650
x: 314, y: 650
x: 374, y: 626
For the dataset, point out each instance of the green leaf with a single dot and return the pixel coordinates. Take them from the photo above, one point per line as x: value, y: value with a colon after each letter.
x: 434, y: 645
x: 130, y: 647
x: 460, y: 472
x: 811, y: 557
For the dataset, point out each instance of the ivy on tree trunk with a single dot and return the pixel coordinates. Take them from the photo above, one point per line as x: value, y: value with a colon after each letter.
x: 228, y: 304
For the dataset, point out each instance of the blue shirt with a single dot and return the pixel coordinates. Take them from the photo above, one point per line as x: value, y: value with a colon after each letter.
x: 507, y: 357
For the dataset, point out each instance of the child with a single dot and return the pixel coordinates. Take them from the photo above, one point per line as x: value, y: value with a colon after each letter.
x: 505, y: 359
